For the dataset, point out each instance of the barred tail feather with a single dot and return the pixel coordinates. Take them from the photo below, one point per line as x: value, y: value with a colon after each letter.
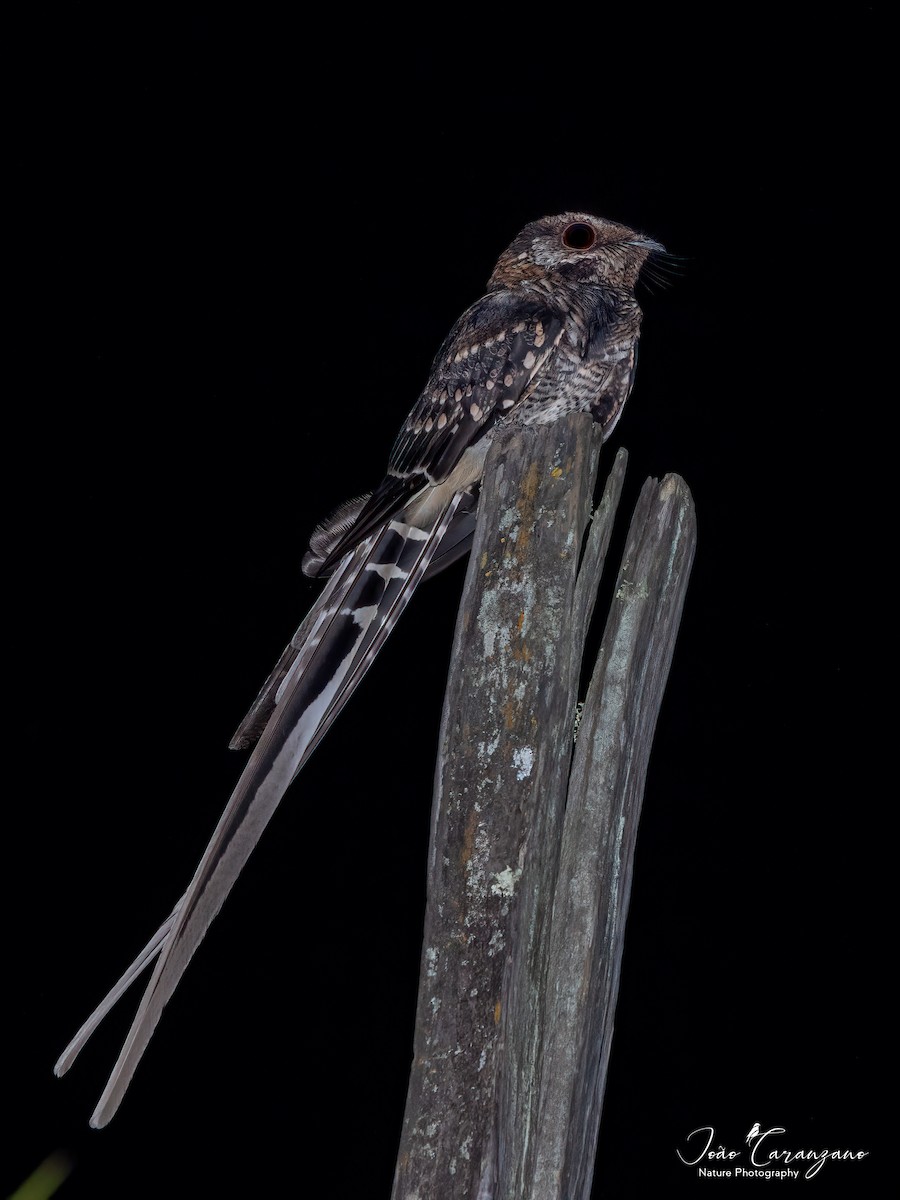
x: 397, y: 595
x: 302, y: 643
x: 343, y: 635
x: 453, y: 544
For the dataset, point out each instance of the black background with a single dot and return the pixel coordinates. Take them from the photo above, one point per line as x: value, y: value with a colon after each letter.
x: 241, y: 240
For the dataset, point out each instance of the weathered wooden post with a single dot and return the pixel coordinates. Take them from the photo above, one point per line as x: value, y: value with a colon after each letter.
x: 530, y: 860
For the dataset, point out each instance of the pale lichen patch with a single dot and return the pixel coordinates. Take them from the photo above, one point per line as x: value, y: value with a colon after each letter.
x: 505, y: 881
x: 523, y: 761
x: 489, y: 749
x: 476, y: 870
x: 632, y: 591
x: 494, y: 635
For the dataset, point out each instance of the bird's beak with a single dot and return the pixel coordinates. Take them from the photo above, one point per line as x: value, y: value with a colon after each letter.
x: 645, y: 243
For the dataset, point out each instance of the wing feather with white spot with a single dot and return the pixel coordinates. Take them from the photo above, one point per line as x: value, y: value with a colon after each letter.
x: 482, y: 371
x: 488, y: 365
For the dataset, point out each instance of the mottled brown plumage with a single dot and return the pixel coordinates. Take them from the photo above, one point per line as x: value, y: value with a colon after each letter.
x: 556, y: 331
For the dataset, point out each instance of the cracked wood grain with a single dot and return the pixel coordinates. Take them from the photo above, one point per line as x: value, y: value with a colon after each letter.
x: 481, y: 1117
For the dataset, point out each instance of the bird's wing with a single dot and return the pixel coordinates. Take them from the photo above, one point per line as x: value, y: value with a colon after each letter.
x: 485, y: 368
x: 345, y: 631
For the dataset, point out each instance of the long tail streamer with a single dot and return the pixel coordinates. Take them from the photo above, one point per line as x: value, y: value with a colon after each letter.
x: 335, y: 646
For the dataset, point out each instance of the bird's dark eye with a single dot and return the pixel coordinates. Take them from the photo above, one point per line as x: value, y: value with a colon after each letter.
x: 579, y: 236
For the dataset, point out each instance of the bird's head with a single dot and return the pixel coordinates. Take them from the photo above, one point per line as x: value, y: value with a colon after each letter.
x: 575, y: 247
